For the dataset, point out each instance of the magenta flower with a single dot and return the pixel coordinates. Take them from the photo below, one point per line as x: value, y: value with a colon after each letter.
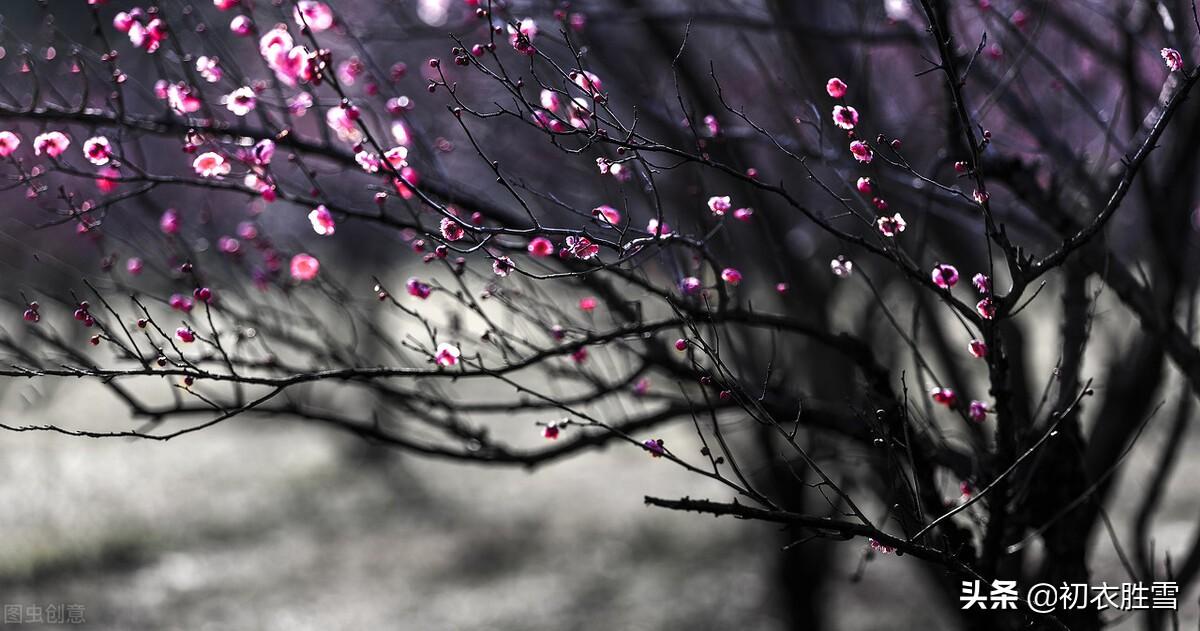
x: 743, y: 214
x: 180, y: 302
x: 977, y: 411
x: 1173, y: 59
x: 587, y: 304
x: 655, y: 447
x: 540, y: 247
x: 944, y: 276
x: 51, y: 143
x: 731, y: 276
x: 551, y: 430
x: 981, y: 282
x: 582, y: 247
x: 690, y: 285
x: 317, y: 16
x: 446, y: 354
x: 719, y: 205
x: 845, y: 117
x: 210, y: 164
x: 588, y: 82
x: 891, y: 226
x: 521, y: 37
x: 304, y: 267
x: 977, y: 348
x: 209, y: 68
x: 944, y: 396
x: 417, y: 288
x: 133, y: 266
x: 185, y: 335
x: 321, y: 220
x: 654, y: 228
x: 241, y: 101
x: 97, y: 150
x: 986, y: 308
x: 835, y: 87
x: 842, y: 268
x: 451, y: 229
x: 169, y: 222
x: 864, y: 185
x: 862, y: 152
x: 607, y: 214
x: 9, y: 142
x: 503, y: 266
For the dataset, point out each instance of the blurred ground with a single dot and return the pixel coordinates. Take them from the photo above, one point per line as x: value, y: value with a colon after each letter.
x: 275, y: 525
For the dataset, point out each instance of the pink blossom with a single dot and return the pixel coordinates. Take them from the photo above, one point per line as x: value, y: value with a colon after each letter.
x: 580, y: 355
x: 977, y: 348
x: 107, y: 179
x: 607, y: 214
x: 980, y: 197
x: 582, y: 247
x: 134, y: 266
x: 225, y: 5
x: 147, y: 36
x: 182, y: 98
x: 690, y: 285
x: 97, y: 150
x: 241, y: 25
x: 9, y: 142
x: 305, y: 267
x: 879, y: 547
x: 743, y: 214
x: 588, y: 82
x: 180, y: 302
x: 316, y: 15
x: 862, y: 152
x: 451, y: 229
x: 712, y: 126
x: 842, y: 268
x: 397, y: 157
x: 1173, y: 58
x: 835, y: 87
x: 343, y: 123
x: 210, y: 164
x: 123, y: 21
x: 51, y: 143
x: 208, y: 68
x: 655, y: 447
x: 731, y: 276
x: 321, y: 220
x: 641, y: 387
x: 262, y: 152
x: 891, y: 226
x: 502, y: 266
x: 299, y: 104
x: 185, y: 335
x: 864, y: 185
x: 681, y: 345
x: 978, y: 411
x: 417, y: 289
x: 944, y: 276
x: 169, y: 222
x: 845, y: 116
x: 981, y: 282
x: 228, y: 245
x: 944, y: 396
x: 544, y: 120
x: 521, y: 37
x: 719, y: 205
x: 540, y: 247
x: 986, y: 308
x: 549, y: 100
x: 654, y: 228
x: 368, y: 161
x: 446, y: 354
x: 550, y: 431
x: 241, y: 101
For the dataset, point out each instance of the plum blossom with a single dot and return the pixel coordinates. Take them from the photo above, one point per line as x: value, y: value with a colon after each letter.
x: 321, y: 220
x: 315, y: 15
x: 835, y: 87
x: 712, y: 126
x: 225, y: 5
x: 451, y: 229
x: 549, y: 100
x: 342, y: 122
x: 719, y: 205
x: 607, y: 214
x: 654, y: 228
x: 169, y: 222
x: 864, y: 185
x: 862, y: 152
x: 1173, y: 59
x: 588, y: 82
x: 655, y: 447
x: 731, y: 276
x: 9, y: 142
x: 977, y: 411
x: 977, y: 348
x: 446, y: 354
x: 944, y: 276
x: 587, y: 304
x: 842, y: 268
x: 134, y: 266
x: 262, y: 152
x: 551, y: 430
x: 417, y: 289
x: 304, y: 267
x: 986, y: 308
x: 182, y: 98
x: 981, y: 282
x: 503, y: 266
x: 397, y: 157
x: 210, y: 164
x: 743, y: 214
x: 241, y: 25
x: 582, y: 247
x: 185, y: 335
x: 368, y: 161
x: 690, y: 285
x: 148, y: 36
x: 209, y: 68
x: 241, y: 101
x: 540, y: 247
x: 180, y: 302
x: 891, y: 226
x: 51, y: 143
x: 845, y: 117
x: 107, y: 179
x: 521, y: 37
x: 944, y: 396
x: 97, y: 150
